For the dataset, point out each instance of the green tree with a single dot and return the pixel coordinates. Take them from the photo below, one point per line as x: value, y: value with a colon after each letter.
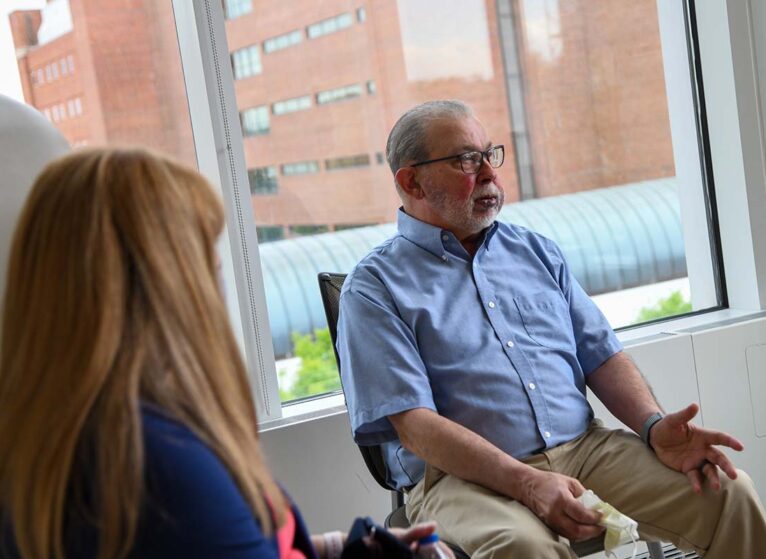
x: 318, y: 372
x: 671, y: 305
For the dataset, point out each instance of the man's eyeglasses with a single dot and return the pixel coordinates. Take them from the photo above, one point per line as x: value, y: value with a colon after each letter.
x: 471, y: 161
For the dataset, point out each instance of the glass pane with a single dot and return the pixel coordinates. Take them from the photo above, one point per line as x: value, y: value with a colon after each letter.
x: 103, y: 73
x: 575, y: 91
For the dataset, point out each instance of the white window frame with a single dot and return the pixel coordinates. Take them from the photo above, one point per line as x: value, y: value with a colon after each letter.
x: 730, y: 32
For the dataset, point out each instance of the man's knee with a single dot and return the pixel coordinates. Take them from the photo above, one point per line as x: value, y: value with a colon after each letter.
x: 740, y: 493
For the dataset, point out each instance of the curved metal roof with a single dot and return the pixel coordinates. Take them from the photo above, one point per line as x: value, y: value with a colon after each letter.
x: 613, y: 238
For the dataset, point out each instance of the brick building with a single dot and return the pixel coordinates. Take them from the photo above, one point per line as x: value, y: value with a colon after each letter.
x: 319, y: 84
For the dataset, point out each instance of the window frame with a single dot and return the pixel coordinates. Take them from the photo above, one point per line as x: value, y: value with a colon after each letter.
x: 726, y: 42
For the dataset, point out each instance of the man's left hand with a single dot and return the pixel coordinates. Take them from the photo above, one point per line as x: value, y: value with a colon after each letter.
x: 690, y: 449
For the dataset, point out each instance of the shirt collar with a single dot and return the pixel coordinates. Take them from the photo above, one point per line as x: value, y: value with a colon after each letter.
x: 429, y: 237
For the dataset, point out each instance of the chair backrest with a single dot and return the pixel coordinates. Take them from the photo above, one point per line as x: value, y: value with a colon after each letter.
x: 330, y: 286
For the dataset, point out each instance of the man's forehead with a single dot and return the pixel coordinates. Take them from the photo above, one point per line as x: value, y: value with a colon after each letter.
x: 461, y: 134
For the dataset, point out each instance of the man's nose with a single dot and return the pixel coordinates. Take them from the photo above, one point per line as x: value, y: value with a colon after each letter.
x: 486, y: 171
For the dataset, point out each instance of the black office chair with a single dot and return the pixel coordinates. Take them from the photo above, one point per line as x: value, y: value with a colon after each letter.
x: 330, y: 285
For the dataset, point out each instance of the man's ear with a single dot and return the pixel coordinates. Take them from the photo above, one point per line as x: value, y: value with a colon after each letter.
x: 406, y: 178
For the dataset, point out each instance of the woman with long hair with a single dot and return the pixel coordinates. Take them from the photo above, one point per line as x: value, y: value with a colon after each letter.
x: 127, y: 425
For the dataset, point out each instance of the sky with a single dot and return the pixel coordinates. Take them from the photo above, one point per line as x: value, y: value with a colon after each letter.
x: 10, y: 84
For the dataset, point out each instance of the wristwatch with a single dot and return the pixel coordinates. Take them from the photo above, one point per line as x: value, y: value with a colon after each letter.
x: 648, y: 424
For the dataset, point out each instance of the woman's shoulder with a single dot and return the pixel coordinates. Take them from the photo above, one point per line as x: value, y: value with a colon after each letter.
x: 193, y: 505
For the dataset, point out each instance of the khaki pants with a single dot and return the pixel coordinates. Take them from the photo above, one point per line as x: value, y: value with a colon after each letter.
x: 619, y: 468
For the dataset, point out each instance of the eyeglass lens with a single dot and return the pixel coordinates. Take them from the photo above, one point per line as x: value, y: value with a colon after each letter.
x: 472, y: 161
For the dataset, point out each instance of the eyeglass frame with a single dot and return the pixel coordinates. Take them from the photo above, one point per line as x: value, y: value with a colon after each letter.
x: 484, y: 156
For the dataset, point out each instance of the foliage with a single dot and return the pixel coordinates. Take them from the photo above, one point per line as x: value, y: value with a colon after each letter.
x: 318, y: 372
x: 671, y: 305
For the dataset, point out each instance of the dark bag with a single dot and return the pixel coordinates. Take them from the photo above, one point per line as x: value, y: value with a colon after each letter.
x: 380, y: 543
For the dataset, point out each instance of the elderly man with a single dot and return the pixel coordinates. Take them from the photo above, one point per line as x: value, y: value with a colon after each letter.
x: 467, y: 347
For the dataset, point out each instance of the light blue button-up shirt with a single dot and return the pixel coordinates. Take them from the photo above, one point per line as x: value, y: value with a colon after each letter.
x: 500, y: 343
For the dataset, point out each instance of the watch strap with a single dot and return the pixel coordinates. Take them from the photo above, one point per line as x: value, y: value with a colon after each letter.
x: 648, y: 424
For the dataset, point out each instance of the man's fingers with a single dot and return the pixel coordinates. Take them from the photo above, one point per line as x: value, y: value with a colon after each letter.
x: 722, y: 439
x: 685, y: 415
x: 575, y: 510
x: 711, y: 473
x: 695, y: 478
x: 722, y: 461
x: 576, y: 532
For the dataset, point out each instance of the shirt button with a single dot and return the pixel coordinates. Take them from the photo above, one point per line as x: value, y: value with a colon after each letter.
x: 444, y: 257
x: 509, y: 343
x: 491, y: 304
x: 445, y: 237
x: 532, y: 386
x: 547, y: 434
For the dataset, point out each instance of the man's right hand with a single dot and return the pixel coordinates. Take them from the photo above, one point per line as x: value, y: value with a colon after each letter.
x: 553, y: 498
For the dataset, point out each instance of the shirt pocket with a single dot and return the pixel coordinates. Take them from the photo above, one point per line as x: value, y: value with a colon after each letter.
x: 546, y: 319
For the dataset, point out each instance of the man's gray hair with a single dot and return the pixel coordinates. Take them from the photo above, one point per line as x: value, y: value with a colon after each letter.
x: 407, y: 140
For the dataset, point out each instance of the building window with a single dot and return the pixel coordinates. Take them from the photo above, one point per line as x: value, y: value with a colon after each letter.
x: 371, y: 88
x: 301, y: 230
x: 361, y: 160
x: 300, y: 168
x: 345, y: 226
x: 236, y: 8
x: 77, y: 106
x: 338, y: 94
x: 48, y: 75
x: 263, y: 180
x: 64, y: 68
x: 40, y: 77
x: 55, y: 112
x: 379, y: 158
x: 55, y: 70
x: 291, y: 105
x: 47, y: 113
x: 255, y: 121
x: 270, y: 233
x: 246, y: 62
x: 70, y: 63
x: 330, y: 25
x: 33, y: 78
x: 282, y: 41
x: 361, y: 15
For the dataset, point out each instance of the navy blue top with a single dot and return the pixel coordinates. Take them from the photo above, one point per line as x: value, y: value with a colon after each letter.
x: 501, y: 342
x: 193, y: 509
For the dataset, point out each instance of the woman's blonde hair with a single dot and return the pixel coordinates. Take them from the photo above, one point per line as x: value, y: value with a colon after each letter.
x: 112, y: 302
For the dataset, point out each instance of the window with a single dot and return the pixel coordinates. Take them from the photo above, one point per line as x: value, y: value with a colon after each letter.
x: 246, y: 62
x: 263, y: 180
x: 282, y: 41
x: 291, y: 105
x: 236, y: 8
x: 255, y: 121
x: 78, y: 106
x: 64, y: 67
x: 301, y: 230
x: 338, y: 94
x: 55, y: 70
x: 40, y: 77
x: 348, y: 162
x: 330, y: 25
x: 590, y: 158
x: 55, y: 112
x: 270, y: 233
x: 70, y: 63
x: 48, y: 74
x: 300, y: 168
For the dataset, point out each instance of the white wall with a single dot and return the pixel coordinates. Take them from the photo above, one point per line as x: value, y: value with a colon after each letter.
x: 322, y: 469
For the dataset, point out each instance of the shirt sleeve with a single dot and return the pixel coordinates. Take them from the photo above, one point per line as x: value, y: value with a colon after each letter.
x: 595, y: 339
x: 193, y: 506
x: 381, y: 368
